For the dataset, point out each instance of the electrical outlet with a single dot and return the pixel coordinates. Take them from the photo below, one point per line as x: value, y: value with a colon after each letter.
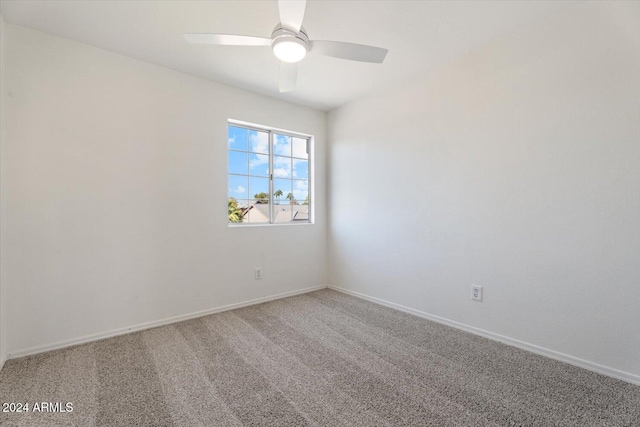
x: 258, y: 273
x: 476, y: 293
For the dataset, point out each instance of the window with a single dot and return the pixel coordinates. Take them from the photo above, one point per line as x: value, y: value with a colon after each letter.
x: 268, y: 176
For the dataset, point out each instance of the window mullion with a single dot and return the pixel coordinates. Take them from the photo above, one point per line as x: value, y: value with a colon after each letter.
x: 248, y: 176
x: 309, y: 176
x: 271, y: 203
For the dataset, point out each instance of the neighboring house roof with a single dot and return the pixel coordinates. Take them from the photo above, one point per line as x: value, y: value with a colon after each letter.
x: 263, y: 207
x: 286, y: 213
x: 259, y: 212
x: 253, y: 214
x: 301, y: 215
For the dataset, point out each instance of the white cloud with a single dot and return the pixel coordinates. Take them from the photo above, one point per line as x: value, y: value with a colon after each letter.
x: 281, y: 173
x: 282, y: 161
x: 282, y: 167
x: 300, y: 148
x: 282, y: 145
x: 259, y: 142
x: 289, y: 165
x: 231, y: 141
x: 295, y: 169
x: 301, y: 190
x: 258, y: 159
x: 240, y: 189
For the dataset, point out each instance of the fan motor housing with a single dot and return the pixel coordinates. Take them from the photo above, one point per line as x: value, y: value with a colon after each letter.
x: 279, y: 32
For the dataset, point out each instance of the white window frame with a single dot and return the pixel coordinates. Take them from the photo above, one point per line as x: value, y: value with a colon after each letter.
x: 272, y: 131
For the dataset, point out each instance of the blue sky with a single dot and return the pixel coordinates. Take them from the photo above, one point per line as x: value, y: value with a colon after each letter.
x: 248, y: 155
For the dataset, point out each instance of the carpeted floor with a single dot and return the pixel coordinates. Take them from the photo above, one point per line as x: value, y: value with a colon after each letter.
x: 323, y: 358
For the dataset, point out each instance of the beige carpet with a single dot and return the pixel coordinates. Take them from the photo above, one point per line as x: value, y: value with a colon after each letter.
x: 323, y: 358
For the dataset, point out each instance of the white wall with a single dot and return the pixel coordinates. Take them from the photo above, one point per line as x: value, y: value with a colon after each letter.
x: 2, y: 126
x: 114, y: 195
x: 516, y: 168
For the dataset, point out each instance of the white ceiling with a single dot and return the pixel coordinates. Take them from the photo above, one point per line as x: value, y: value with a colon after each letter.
x: 418, y: 34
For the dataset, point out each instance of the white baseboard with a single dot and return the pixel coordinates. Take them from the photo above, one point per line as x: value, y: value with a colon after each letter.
x: 600, y: 369
x: 148, y: 325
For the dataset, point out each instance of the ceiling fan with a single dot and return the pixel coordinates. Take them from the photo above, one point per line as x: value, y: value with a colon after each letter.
x: 290, y: 43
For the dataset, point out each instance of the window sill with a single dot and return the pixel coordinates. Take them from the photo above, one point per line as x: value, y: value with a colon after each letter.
x: 286, y: 224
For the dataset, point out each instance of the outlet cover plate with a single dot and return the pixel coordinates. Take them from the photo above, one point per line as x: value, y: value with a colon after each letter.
x: 476, y: 293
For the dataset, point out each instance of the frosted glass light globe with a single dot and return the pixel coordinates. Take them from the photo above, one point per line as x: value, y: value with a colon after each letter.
x: 289, y: 49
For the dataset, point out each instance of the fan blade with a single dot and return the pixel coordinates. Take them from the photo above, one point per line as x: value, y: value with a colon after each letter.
x: 351, y: 51
x: 291, y: 14
x: 288, y: 76
x: 227, y: 39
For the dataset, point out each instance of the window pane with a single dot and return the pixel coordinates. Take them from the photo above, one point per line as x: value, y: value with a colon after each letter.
x: 300, y: 148
x: 258, y: 164
x: 259, y: 189
x: 281, y: 167
x: 258, y: 142
x: 238, y: 162
x: 282, y: 145
x: 258, y: 212
x: 281, y: 189
x: 237, y: 138
x: 238, y: 186
x: 300, y: 169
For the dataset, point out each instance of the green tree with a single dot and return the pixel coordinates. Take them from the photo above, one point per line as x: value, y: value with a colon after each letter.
x: 278, y: 194
x: 262, y: 198
x: 306, y: 200
x: 292, y: 201
x: 235, y: 212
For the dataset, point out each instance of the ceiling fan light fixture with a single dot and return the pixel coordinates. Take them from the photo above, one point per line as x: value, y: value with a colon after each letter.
x: 289, y: 49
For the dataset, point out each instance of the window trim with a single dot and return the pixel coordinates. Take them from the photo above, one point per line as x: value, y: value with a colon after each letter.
x: 310, y: 161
